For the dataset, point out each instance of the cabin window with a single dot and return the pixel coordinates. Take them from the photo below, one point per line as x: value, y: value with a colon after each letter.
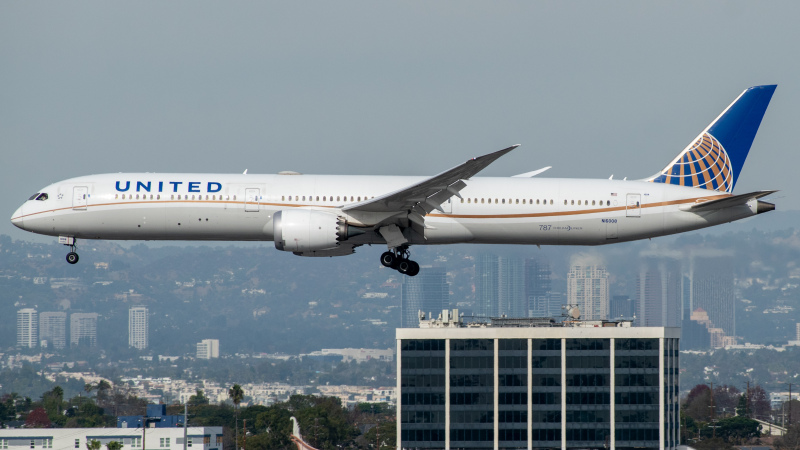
x: 495, y: 201
x: 359, y: 198
x: 469, y: 200
x: 234, y: 197
x: 324, y: 198
x: 158, y: 197
x: 608, y: 202
x: 517, y: 201
x: 351, y: 198
x: 42, y: 197
x: 565, y: 202
x: 579, y: 203
x: 116, y: 196
x: 504, y: 201
x: 551, y: 201
x: 137, y: 196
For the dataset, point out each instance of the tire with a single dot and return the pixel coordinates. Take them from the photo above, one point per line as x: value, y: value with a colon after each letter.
x: 389, y: 260
x: 414, y: 270
x: 404, y: 266
x: 72, y: 258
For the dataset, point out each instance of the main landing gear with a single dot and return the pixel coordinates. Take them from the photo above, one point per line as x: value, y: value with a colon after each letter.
x: 72, y: 256
x: 397, y: 259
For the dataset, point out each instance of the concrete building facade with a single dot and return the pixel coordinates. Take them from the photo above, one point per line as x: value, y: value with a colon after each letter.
x: 588, y: 289
x: 53, y: 329
x: 83, y: 329
x: 27, y: 328
x: 208, y: 349
x: 198, y: 438
x: 138, y: 333
x: 582, y: 385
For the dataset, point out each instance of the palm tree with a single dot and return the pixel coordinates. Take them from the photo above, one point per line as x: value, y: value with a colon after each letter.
x: 93, y: 444
x: 236, y: 394
x: 114, y: 445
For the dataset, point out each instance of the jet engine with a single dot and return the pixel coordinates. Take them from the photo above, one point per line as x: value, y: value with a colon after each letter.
x: 305, y: 230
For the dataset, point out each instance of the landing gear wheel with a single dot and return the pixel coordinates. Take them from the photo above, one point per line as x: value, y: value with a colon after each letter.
x: 72, y: 257
x: 404, y: 266
x: 389, y: 259
x: 414, y: 269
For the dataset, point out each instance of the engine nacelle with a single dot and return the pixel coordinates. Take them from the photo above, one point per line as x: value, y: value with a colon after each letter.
x: 304, y: 230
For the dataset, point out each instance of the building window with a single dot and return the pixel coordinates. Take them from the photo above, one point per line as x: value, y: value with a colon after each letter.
x: 206, y: 440
x: 219, y: 440
x: 189, y: 442
x: 33, y: 443
x: 164, y: 442
x: 77, y: 443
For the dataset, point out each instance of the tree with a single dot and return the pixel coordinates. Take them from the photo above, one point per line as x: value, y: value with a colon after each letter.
x: 760, y: 406
x: 738, y: 430
x: 726, y: 399
x: 199, y: 398
x: 791, y: 440
x: 114, y: 445
x: 275, y: 428
x: 38, y: 419
x: 236, y: 394
x: 383, y: 436
x: 698, y: 403
x: 93, y: 444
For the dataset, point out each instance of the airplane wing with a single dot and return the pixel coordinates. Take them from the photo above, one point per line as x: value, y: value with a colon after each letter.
x: 726, y: 202
x: 428, y: 195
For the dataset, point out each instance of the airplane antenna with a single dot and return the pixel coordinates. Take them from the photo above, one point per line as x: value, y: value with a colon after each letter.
x: 245, y: 172
x: 611, y: 177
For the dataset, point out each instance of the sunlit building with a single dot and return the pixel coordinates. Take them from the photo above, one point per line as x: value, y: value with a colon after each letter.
x: 27, y: 328
x: 138, y: 333
x: 587, y: 288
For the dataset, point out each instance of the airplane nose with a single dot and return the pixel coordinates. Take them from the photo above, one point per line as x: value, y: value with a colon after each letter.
x: 17, y: 217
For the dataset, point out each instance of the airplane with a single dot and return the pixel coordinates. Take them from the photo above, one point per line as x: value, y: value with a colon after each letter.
x: 332, y: 215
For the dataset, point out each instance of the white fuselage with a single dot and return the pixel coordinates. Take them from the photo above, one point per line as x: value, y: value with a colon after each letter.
x: 539, y: 211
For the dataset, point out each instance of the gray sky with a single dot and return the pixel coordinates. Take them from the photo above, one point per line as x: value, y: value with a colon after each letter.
x: 412, y: 88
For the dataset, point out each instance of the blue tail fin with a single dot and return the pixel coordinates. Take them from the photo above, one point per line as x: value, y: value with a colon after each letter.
x: 716, y: 157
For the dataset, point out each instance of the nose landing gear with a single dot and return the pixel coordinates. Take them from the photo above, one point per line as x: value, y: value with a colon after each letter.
x: 397, y: 259
x: 72, y: 256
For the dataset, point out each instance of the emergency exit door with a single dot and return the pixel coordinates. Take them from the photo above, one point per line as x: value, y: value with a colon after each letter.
x: 79, y: 197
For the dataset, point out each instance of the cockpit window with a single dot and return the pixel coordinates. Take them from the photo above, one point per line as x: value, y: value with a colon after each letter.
x: 42, y: 197
x: 33, y: 197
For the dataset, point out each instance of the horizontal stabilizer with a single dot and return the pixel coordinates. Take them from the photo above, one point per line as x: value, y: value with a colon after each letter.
x: 726, y: 202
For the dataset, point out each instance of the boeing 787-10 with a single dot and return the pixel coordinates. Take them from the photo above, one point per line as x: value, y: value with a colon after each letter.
x: 331, y: 215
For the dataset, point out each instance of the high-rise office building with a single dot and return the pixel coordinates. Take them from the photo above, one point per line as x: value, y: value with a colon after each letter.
x: 538, y: 287
x: 713, y: 291
x: 487, y: 279
x: 622, y: 307
x: 428, y: 292
x: 83, y: 329
x: 587, y: 288
x: 658, y: 289
x: 500, y: 286
x: 582, y: 385
x: 27, y: 328
x: 137, y: 328
x: 53, y: 329
x: 208, y: 348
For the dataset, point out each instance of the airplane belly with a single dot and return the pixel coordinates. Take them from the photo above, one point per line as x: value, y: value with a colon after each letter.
x: 139, y: 222
x: 217, y: 223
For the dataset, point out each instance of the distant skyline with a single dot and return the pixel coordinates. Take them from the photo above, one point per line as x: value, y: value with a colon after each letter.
x: 592, y: 89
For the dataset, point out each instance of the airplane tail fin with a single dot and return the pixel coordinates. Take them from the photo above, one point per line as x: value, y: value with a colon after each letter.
x: 715, y: 158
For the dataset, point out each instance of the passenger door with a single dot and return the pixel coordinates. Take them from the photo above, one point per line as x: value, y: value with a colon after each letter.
x: 80, y: 199
x: 634, y: 205
x: 251, y: 199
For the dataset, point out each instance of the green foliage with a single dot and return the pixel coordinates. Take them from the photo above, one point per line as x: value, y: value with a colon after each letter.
x: 114, y: 445
x: 274, y: 426
x: 791, y: 440
x: 199, y: 398
x: 383, y: 436
x: 738, y: 430
x: 93, y: 444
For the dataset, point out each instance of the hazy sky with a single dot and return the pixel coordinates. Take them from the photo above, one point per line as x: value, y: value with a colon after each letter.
x: 412, y: 88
